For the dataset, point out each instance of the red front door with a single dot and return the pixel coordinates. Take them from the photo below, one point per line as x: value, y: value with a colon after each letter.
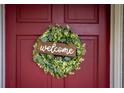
x: 24, y: 23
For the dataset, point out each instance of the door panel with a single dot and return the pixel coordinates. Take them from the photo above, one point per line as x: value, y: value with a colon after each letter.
x: 33, y: 13
x: 24, y: 23
x: 28, y: 73
x: 81, y: 14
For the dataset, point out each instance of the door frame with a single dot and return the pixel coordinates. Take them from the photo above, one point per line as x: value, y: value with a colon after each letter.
x: 2, y: 46
x: 116, y: 37
x: 116, y: 29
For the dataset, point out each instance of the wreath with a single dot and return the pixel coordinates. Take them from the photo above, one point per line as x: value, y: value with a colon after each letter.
x: 59, y: 66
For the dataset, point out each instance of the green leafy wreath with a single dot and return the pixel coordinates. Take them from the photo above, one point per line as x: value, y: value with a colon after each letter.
x: 59, y: 66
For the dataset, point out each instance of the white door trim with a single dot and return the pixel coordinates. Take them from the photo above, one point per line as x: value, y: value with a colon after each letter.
x: 2, y: 45
x: 115, y: 46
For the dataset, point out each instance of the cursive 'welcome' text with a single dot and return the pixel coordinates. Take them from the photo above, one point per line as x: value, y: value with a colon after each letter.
x: 58, y: 49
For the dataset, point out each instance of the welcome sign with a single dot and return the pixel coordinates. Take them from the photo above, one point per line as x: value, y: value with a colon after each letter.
x: 57, y: 49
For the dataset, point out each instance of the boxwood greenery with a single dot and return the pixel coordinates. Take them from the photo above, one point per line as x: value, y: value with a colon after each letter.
x: 59, y: 66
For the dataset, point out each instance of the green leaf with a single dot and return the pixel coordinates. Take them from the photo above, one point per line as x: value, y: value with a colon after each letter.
x: 63, y: 40
x: 44, y: 39
x: 50, y: 37
x: 79, y: 52
x: 50, y: 56
x: 67, y: 58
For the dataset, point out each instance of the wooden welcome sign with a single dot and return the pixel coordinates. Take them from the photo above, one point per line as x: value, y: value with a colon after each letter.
x: 57, y: 48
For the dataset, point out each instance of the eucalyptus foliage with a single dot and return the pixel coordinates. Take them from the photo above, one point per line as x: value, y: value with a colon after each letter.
x: 59, y: 66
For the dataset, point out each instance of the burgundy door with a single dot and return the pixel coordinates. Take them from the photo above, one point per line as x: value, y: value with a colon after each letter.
x: 24, y: 23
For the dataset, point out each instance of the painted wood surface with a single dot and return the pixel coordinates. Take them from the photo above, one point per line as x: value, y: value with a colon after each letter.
x: 24, y: 23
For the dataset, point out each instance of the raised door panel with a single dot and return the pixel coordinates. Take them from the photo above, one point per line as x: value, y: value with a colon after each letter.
x: 82, y: 14
x: 34, y: 13
x: 87, y: 76
x: 28, y: 73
